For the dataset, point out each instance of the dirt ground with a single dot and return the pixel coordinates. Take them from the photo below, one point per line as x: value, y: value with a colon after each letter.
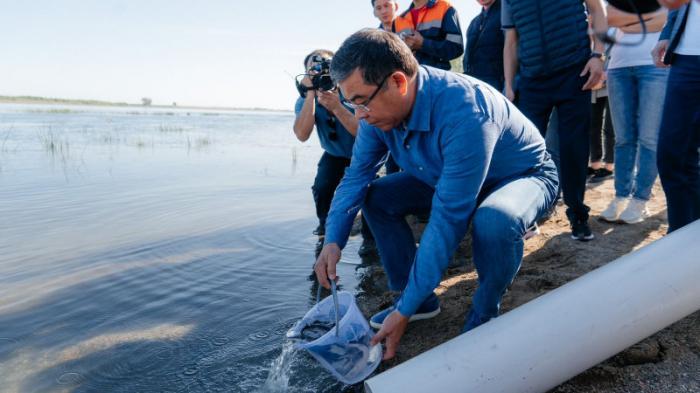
x: 668, y: 361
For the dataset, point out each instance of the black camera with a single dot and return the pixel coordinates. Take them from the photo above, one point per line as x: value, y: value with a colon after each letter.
x: 320, y: 75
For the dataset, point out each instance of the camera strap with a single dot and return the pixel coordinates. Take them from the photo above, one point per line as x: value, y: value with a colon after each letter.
x: 301, y: 89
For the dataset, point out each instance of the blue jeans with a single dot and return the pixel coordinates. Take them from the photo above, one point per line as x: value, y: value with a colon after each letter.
x: 679, y: 143
x: 504, y: 213
x: 635, y: 96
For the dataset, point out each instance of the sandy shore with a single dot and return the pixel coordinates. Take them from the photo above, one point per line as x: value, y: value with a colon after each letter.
x: 669, y: 361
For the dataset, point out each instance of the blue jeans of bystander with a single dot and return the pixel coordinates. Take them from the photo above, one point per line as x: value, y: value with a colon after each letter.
x: 636, y: 95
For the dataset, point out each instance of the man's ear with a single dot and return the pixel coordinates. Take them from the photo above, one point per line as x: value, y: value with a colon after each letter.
x: 399, y: 79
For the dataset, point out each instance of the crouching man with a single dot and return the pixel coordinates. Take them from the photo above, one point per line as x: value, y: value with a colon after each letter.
x: 468, y: 154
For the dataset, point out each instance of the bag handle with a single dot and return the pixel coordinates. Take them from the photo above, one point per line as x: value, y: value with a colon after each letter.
x: 334, y: 292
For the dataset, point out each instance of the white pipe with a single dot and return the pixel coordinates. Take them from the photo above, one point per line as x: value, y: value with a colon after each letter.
x: 551, y: 339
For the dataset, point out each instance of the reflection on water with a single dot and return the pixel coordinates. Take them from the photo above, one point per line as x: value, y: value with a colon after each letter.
x: 155, y: 250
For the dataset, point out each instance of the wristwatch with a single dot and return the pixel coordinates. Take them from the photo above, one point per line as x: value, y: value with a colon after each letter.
x: 598, y: 55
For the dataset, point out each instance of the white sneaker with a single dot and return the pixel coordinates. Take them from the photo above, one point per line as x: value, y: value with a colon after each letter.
x: 635, y: 212
x: 612, y: 212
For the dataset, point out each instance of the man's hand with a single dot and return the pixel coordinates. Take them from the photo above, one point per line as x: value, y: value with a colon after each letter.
x: 392, y: 330
x: 306, y: 81
x: 601, y: 83
x: 509, y: 93
x: 659, y: 52
x: 594, y: 68
x: 325, y: 264
x: 330, y: 100
x: 414, y: 41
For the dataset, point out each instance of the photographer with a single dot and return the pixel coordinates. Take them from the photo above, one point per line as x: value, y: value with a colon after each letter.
x: 319, y: 106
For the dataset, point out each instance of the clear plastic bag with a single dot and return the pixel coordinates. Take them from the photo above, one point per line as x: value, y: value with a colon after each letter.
x: 342, y: 344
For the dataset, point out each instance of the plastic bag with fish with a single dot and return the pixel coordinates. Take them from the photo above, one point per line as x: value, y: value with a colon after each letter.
x: 343, y: 348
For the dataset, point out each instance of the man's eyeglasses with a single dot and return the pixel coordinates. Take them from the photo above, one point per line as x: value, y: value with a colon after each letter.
x: 364, y: 106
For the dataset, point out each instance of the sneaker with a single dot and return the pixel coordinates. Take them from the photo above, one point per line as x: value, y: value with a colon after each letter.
x: 599, y: 175
x: 635, y: 212
x: 320, y: 230
x: 425, y: 311
x: 590, y: 171
x: 612, y: 212
x: 581, y: 231
x: 368, y: 247
x: 531, y: 232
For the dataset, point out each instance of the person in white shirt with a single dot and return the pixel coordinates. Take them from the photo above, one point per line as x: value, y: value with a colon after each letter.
x: 636, y: 90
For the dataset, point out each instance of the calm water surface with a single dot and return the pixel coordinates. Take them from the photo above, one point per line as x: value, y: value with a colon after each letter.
x: 147, y: 250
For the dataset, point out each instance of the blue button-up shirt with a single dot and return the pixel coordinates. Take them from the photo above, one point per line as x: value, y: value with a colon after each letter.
x: 462, y: 137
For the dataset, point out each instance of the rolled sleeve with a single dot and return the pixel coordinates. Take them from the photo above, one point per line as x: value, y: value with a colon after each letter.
x: 298, y: 105
x: 506, y: 16
x: 367, y: 152
x: 467, y: 154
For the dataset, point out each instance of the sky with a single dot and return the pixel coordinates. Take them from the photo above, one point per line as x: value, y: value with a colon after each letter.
x: 206, y: 53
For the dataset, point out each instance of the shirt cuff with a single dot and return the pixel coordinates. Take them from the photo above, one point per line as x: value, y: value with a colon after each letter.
x: 408, y: 304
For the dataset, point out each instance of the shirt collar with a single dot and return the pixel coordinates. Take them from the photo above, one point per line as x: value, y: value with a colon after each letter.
x: 419, y: 119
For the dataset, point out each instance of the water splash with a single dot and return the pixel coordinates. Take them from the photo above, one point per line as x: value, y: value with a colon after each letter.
x: 280, y: 371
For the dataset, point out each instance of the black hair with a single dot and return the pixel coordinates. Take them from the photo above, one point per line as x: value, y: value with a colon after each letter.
x: 377, y: 53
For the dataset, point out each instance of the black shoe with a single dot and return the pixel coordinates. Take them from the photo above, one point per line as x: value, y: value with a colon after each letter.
x: 368, y: 247
x: 320, y: 230
x: 590, y: 172
x: 580, y: 230
x: 600, y: 175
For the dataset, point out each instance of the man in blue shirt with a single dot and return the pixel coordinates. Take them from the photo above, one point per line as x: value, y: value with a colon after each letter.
x: 468, y: 154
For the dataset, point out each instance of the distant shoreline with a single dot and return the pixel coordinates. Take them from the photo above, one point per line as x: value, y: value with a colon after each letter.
x: 66, y: 101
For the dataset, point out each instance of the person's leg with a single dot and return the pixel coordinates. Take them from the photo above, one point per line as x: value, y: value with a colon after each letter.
x: 534, y: 101
x: 679, y: 141
x: 652, y: 90
x: 624, y: 99
x: 551, y: 138
x: 574, y: 110
x: 609, y: 138
x: 597, y: 114
x: 330, y: 171
x: 388, y: 201
x: 497, y: 238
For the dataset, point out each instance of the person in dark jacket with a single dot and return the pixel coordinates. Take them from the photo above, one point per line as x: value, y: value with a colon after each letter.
x: 548, y: 43
x: 431, y: 29
x: 483, y: 55
x: 679, y: 136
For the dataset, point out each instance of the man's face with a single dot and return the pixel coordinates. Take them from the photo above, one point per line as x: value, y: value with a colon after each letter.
x: 485, y: 3
x: 385, y: 10
x: 386, y: 108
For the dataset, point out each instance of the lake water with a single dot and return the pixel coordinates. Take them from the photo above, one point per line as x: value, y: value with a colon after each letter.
x: 154, y: 250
